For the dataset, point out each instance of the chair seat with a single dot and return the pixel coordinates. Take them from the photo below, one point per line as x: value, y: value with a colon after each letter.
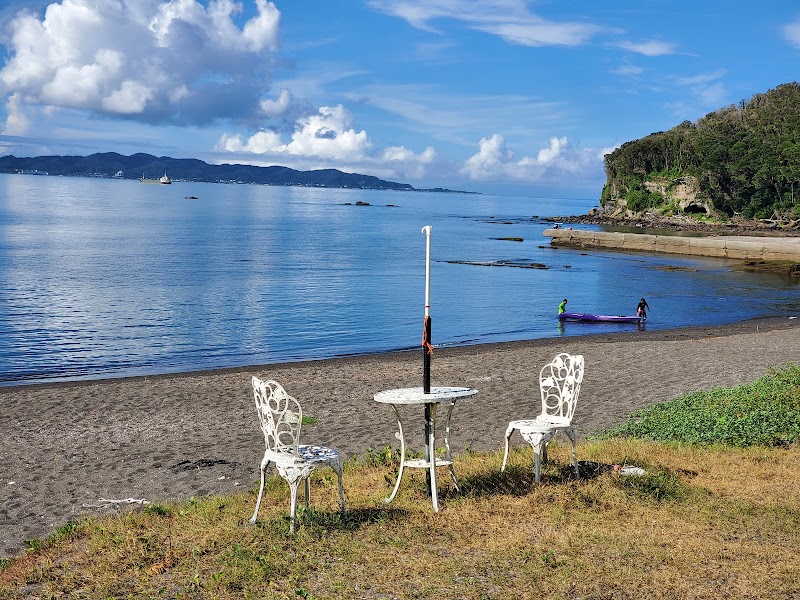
x: 317, y: 453
x: 305, y: 454
x: 543, y: 425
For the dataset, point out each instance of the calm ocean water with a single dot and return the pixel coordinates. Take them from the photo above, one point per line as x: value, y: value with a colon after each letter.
x: 106, y: 278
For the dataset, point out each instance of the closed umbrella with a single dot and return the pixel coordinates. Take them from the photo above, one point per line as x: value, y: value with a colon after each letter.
x: 427, y: 348
x: 427, y: 351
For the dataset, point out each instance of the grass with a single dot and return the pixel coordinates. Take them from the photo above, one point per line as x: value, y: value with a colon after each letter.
x: 705, y: 521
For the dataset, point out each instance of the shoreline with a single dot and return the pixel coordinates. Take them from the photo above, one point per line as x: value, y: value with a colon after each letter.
x: 680, y: 332
x: 66, y: 446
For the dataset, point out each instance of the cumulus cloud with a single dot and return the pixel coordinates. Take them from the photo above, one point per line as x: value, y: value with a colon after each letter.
x: 16, y: 120
x: 160, y: 61
x: 508, y: 19
x: 329, y: 137
x: 791, y: 33
x: 277, y: 107
x: 494, y: 161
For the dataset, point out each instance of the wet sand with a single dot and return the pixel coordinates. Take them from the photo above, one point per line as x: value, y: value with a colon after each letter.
x: 69, y: 450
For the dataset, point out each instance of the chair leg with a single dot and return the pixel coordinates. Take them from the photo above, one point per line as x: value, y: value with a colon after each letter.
x: 509, y: 431
x: 293, y: 509
x: 337, y: 466
x: 264, y: 467
x: 453, y: 475
x: 572, y: 436
x: 538, y: 441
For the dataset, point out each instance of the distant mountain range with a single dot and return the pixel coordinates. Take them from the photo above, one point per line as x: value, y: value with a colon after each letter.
x: 113, y: 165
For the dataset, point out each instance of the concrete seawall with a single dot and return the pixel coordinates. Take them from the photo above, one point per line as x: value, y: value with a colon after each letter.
x: 738, y: 247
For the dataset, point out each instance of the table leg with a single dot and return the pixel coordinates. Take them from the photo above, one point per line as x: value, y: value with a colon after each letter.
x: 400, y: 436
x: 447, y: 445
x: 430, y: 452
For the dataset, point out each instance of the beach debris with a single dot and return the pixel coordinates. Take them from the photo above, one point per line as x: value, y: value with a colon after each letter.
x: 11, y: 482
x: 629, y: 470
x: 201, y: 463
x: 106, y: 502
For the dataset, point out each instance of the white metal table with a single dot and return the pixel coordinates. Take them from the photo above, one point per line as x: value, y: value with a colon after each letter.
x: 416, y: 396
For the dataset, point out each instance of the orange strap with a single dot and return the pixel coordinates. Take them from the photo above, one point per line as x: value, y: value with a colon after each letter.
x: 425, y: 343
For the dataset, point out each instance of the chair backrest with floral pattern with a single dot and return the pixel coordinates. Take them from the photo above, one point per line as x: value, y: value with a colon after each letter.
x: 560, y: 384
x: 279, y: 414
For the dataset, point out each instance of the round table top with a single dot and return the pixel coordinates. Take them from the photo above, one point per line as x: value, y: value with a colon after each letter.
x: 416, y: 395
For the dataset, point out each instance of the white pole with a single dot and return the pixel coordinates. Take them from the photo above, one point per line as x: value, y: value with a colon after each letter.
x: 427, y: 231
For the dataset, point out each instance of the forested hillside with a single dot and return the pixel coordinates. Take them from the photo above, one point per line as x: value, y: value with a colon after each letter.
x: 739, y: 160
x: 111, y: 164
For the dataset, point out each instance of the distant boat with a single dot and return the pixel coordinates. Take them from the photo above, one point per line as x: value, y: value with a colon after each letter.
x: 164, y: 180
x: 590, y: 318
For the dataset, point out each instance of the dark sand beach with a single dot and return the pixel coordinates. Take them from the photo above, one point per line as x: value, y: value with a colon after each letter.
x: 70, y: 450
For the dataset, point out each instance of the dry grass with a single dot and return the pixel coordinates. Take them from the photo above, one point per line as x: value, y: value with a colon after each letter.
x: 703, y: 523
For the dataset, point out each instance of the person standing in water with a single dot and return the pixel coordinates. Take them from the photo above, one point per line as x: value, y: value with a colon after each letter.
x: 640, y: 309
x: 562, y: 308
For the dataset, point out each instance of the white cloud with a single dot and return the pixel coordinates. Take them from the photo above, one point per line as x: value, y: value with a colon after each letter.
x: 130, y: 98
x: 170, y: 61
x: 700, y: 79
x: 262, y: 31
x: 712, y: 95
x: 537, y: 32
x: 328, y: 138
x: 405, y: 163
x: 491, y: 155
x: 792, y: 34
x: 628, y: 71
x: 17, y: 121
x: 327, y: 134
x: 649, y: 48
x: 277, y: 107
x: 495, y: 162
x: 259, y: 143
x: 508, y: 19
x: 706, y: 88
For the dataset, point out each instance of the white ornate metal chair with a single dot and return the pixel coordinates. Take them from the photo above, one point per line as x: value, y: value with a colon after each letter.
x: 281, y: 418
x: 559, y: 385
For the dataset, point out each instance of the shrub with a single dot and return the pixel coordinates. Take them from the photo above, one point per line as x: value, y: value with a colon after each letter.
x: 764, y: 413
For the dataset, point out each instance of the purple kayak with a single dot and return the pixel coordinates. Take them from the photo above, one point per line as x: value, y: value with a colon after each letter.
x: 590, y: 318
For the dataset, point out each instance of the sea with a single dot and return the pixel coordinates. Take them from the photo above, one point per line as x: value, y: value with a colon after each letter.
x: 105, y: 278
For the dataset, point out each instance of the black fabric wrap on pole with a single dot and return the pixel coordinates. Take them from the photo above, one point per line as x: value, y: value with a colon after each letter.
x: 426, y: 356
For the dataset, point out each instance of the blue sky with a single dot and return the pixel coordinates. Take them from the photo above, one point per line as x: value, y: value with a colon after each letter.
x: 500, y: 96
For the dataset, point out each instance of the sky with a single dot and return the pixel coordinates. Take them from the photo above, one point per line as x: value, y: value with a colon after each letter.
x: 497, y: 96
